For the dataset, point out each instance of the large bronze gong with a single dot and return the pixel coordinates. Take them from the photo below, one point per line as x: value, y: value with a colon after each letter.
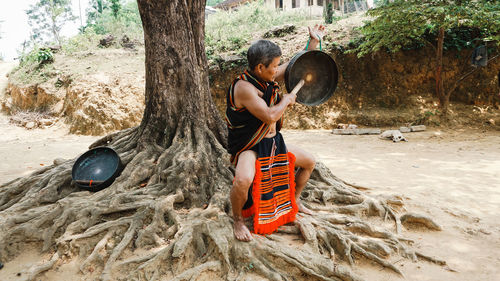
x: 319, y: 72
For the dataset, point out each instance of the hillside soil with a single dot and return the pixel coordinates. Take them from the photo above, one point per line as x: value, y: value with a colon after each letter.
x: 101, y: 91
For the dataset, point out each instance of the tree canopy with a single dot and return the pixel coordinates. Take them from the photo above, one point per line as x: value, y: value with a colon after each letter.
x: 404, y: 23
x: 95, y: 10
x: 106, y: 16
x: 47, y: 17
x: 409, y: 23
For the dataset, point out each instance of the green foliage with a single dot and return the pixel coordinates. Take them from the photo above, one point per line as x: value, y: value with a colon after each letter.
x: 95, y: 10
x: 115, y: 8
x: 34, y: 67
x: 412, y: 23
x: 47, y: 17
x: 458, y: 38
x: 230, y: 31
x: 102, y: 21
x: 114, y: 17
x: 328, y: 13
x: 130, y: 15
x: 44, y: 56
x: 38, y: 56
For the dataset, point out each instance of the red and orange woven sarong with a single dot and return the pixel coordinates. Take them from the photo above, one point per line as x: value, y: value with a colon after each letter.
x: 271, y: 199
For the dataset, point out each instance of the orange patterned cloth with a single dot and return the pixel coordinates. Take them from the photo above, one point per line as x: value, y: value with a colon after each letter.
x: 271, y: 198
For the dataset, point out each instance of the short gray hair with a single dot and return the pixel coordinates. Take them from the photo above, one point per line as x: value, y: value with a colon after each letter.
x: 262, y: 51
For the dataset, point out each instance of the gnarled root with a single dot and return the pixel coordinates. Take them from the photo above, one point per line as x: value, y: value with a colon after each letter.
x: 32, y: 272
x: 411, y: 218
x: 167, y: 216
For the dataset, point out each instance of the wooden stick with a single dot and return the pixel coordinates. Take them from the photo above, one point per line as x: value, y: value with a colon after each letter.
x: 298, y: 86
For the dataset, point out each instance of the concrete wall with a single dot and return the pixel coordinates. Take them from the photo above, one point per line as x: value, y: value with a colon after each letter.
x: 313, y: 10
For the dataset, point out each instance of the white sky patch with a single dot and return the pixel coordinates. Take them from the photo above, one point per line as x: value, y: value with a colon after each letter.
x: 14, y: 26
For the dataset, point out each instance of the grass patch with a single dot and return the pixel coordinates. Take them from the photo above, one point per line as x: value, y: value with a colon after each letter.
x: 230, y: 31
x: 34, y: 68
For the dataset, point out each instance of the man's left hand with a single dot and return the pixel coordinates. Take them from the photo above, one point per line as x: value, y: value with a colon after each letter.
x: 317, y: 32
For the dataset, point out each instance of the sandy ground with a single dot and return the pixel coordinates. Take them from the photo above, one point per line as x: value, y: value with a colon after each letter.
x: 32, y: 149
x: 453, y: 176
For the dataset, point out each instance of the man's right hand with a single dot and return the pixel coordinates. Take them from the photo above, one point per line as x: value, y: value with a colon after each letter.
x: 291, y: 98
x: 293, y: 94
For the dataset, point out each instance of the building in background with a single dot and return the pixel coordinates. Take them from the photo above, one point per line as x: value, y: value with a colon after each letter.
x: 315, y: 7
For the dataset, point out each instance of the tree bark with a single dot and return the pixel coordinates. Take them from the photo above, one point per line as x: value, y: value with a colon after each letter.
x: 177, y: 86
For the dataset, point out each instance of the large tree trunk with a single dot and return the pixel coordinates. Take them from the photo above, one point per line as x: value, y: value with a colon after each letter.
x: 167, y: 216
x: 177, y: 87
x: 179, y: 106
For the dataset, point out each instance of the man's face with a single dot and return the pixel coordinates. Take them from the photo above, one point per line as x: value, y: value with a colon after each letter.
x: 268, y: 73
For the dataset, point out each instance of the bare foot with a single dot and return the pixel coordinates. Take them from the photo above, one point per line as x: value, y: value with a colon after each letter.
x: 303, y: 208
x: 241, y: 231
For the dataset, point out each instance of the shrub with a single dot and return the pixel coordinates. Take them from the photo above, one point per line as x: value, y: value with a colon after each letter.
x: 34, y: 67
x: 44, y: 55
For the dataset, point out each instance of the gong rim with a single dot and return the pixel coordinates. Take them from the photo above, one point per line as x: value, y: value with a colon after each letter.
x: 326, y: 76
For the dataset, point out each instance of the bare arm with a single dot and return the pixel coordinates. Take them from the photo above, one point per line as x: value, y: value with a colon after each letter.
x: 280, y: 74
x: 247, y: 96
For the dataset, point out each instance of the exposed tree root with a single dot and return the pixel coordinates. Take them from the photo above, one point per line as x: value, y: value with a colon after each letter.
x: 33, y: 271
x: 410, y: 218
x: 167, y: 217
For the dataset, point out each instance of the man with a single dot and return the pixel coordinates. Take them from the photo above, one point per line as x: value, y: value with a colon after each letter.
x: 254, y: 116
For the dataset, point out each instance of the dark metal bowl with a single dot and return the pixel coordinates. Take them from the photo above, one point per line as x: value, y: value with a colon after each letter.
x: 324, y: 76
x: 96, y: 169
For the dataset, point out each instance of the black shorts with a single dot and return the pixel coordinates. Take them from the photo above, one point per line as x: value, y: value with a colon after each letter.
x: 265, y: 146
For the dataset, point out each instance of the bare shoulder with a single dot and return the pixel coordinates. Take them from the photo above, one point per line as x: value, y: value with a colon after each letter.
x: 244, y: 91
x: 243, y: 87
